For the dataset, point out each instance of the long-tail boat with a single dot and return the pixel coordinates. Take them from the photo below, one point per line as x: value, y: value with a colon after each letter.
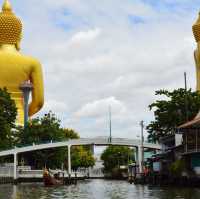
x: 50, y: 180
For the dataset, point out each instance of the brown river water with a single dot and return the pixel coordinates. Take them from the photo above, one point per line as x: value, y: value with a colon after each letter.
x: 96, y: 189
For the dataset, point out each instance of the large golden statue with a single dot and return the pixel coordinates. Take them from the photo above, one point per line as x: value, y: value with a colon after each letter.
x: 196, y: 32
x: 16, y: 68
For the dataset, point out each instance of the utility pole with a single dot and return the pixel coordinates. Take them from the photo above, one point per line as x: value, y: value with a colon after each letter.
x: 110, y: 125
x: 186, y: 99
x: 142, y: 144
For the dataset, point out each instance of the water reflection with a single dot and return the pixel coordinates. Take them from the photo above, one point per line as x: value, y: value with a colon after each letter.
x: 96, y: 189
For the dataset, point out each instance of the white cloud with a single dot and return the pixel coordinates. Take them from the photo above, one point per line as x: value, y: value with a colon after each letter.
x: 56, y: 106
x: 85, y: 36
x: 100, y: 108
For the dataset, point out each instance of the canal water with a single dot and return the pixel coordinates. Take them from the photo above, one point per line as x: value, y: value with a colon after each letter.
x: 96, y: 189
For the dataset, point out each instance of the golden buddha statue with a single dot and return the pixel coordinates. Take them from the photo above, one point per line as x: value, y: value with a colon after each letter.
x: 196, y: 32
x: 16, y: 68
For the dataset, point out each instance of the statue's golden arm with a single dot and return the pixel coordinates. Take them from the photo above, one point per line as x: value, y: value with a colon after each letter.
x: 38, y: 89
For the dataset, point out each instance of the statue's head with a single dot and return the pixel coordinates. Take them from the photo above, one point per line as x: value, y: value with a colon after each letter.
x: 10, y: 26
x: 196, y: 29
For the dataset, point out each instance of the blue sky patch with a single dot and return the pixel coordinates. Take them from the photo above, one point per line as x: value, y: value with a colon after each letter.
x: 136, y: 19
x: 161, y: 5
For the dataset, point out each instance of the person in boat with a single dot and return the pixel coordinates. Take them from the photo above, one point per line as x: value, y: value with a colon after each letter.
x: 45, y: 172
x: 49, y: 180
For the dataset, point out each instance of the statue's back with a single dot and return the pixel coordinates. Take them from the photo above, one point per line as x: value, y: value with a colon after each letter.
x: 14, y: 70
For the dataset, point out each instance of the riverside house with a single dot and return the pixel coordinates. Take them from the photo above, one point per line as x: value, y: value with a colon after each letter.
x: 191, y: 145
x: 171, y: 150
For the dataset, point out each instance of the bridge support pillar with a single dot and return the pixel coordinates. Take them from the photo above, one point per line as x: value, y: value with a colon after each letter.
x: 15, y: 175
x: 136, y: 155
x: 92, y: 149
x: 140, y: 158
x: 69, y: 160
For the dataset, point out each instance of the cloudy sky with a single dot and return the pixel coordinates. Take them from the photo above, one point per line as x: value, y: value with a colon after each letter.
x: 97, y: 53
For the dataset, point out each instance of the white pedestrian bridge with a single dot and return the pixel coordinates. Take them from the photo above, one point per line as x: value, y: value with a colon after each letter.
x: 98, y: 141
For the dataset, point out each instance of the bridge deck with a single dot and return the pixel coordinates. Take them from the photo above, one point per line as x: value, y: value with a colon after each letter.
x: 82, y: 141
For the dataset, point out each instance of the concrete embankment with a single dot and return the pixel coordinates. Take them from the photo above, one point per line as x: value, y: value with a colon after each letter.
x: 164, y: 180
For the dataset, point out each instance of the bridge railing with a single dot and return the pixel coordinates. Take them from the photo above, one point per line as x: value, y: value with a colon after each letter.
x: 95, y: 140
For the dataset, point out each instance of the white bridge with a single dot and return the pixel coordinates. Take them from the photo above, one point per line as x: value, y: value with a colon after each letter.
x: 98, y: 141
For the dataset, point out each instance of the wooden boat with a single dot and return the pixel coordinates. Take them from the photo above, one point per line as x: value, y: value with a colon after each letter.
x: 50, y: 180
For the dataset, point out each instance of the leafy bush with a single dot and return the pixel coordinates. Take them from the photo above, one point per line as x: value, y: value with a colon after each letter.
x: 177, y: 167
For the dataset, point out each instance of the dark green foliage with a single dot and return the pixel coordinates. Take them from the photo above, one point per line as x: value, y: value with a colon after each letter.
x: 170, y: 112
x: 177, y: 168
x: 47, y: 129
x: 43, y: 130
x: 8, y: 113
x: 114, y: 156
x: 70, y: 134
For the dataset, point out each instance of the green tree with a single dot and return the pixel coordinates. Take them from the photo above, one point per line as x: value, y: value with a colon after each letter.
x: 70, y: 134
x: 170, y: 112
x: 44, y: 129
x: 81, y: 157
x: 8, y: 113
x: 114, y: 156
x: 48, y: 129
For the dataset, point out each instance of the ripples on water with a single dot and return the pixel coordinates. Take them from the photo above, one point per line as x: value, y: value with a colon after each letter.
x: 96, y: 189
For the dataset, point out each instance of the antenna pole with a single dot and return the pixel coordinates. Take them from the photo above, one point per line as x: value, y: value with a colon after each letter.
x: 110, y: 124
